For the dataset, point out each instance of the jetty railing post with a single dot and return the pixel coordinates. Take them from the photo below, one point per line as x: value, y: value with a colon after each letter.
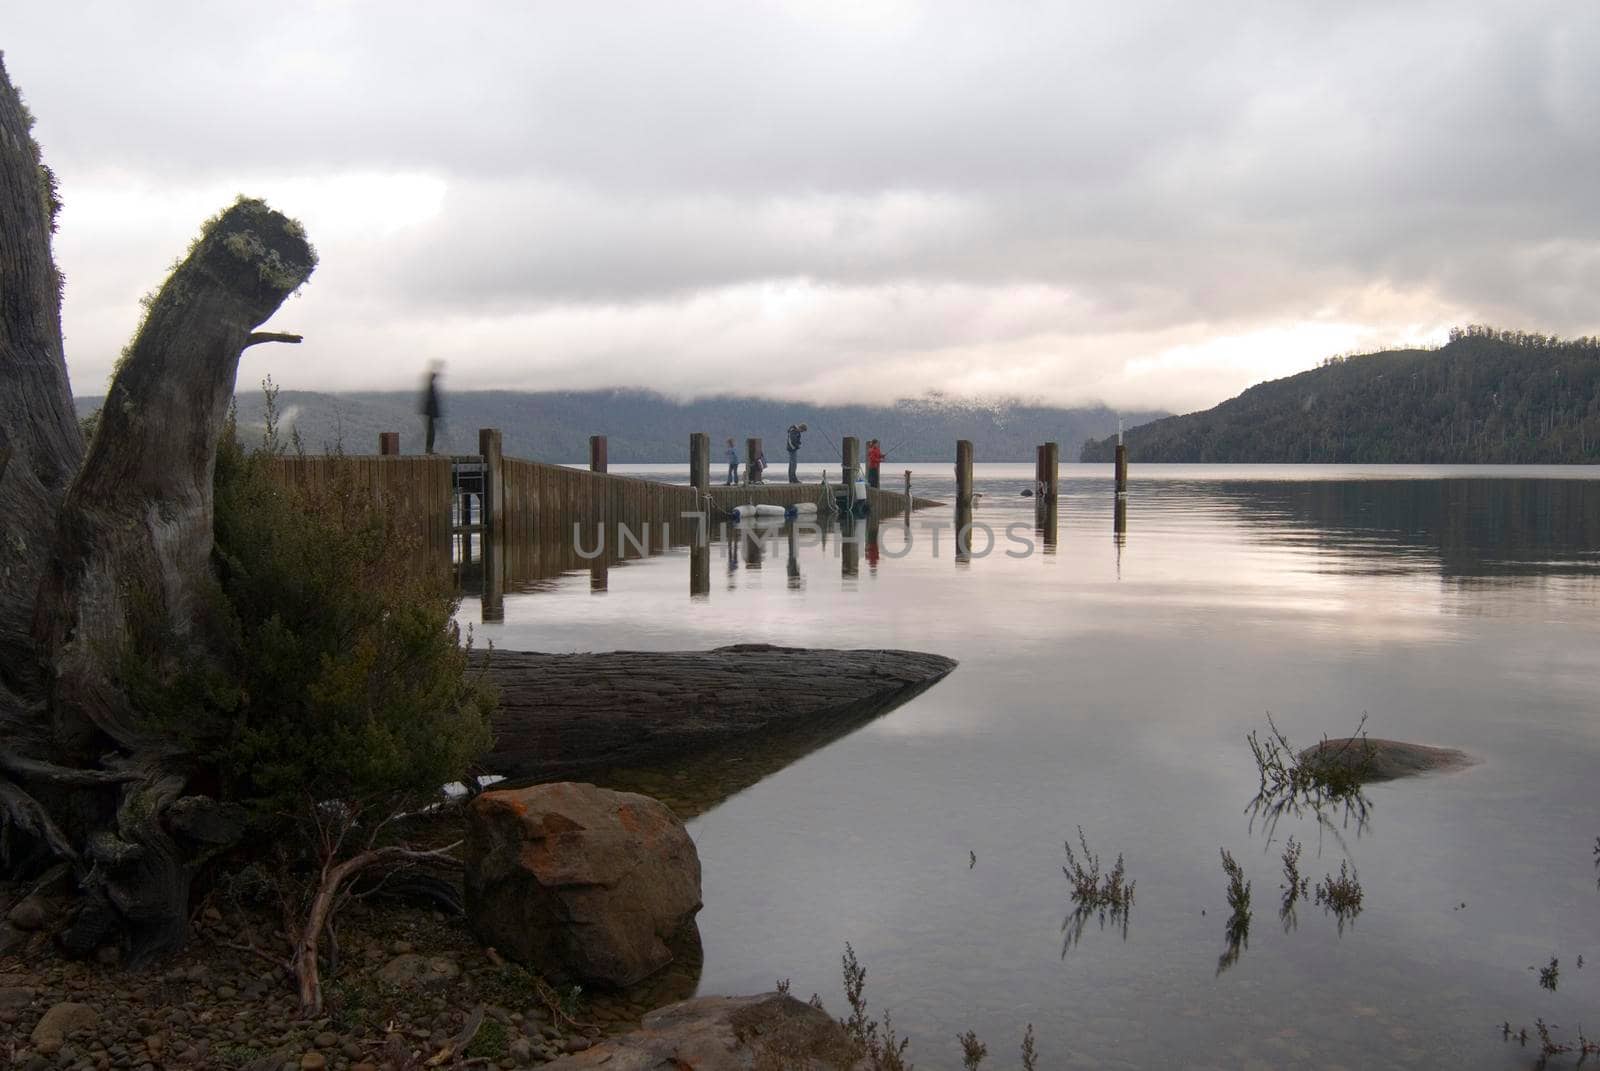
x: 1050, y: 464
x: 964, y: 471
x: 752, y: 456
x: 388, y: 443
x: 1122, y: 469
x: 700, y: 465
x: 909, y: 499
x: 597, y: 453
x: 849, y: 458
x: 494, y: 484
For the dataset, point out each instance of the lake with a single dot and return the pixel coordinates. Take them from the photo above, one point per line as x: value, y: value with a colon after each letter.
x: 1109, y: 682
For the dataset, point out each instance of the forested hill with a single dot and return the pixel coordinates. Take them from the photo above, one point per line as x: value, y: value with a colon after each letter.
x: 641, y: 426
x: 1487, y: 397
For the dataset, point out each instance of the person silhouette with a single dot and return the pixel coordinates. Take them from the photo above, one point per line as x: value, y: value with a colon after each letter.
x: 432, y: 408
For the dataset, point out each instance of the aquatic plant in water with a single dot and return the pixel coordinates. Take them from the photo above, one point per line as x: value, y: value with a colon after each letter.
x: 1237, y: 930
x: 1106, y: 896
x: 1550, y: 977
x: 1318, y: 780
x: 1294, y: 886
x: 1341, y: 895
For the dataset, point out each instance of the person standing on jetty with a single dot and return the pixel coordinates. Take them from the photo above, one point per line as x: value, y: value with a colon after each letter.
x: 733, y: 464
x: 431, y: 408
x: 793, y: 444
x: 874, y: 461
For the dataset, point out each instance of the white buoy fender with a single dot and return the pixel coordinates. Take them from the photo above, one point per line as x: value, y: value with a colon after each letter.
x: 802, y: 509
x: 745, y: 513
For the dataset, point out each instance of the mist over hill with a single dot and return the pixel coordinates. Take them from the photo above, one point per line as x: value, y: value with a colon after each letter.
x: 1487, y: 397
x: 643, y: 426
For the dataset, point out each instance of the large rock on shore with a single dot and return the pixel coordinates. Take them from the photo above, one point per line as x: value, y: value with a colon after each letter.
x: 1384, y: 760
x: 580, y: 883
x: 770, y: 1030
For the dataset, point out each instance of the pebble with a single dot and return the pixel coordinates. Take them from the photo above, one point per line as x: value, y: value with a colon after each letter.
x: 313, y: 1061
x: 326, y: 1040
x: 16, y: 996
x: 226, y: 992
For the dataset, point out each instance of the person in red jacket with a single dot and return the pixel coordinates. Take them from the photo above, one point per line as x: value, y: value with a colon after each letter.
x: 874, y: 460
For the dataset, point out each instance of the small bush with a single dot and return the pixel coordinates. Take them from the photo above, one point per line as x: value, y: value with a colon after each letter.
x: 489, y: 1043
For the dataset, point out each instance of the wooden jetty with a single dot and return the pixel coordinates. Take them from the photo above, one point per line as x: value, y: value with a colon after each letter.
x: 511, y: 500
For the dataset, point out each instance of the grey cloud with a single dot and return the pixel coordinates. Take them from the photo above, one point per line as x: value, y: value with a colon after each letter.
x: 1001, y: 182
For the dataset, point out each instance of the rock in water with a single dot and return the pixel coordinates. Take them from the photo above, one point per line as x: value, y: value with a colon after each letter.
x: 1384, y: 760
x: 578, y: 882
x: 769, y: 1030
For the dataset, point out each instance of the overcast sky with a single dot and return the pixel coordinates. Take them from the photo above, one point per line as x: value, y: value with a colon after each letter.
x: 1142, y: 204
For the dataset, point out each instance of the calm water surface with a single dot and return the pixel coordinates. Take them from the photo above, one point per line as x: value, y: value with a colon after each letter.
x: 1109, y: 683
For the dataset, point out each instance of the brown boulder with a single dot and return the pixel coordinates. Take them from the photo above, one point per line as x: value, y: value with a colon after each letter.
x: 580, y: 883
x: 769, y: 1030
x: 51, y: 1032
x: 1384, y: 760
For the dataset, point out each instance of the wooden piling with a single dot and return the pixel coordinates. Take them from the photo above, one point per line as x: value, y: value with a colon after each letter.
x: 597, y: 453
x: 388, y: 443
x: 1122, y: 469
x: 1050, y: 470
x: 700, y: 461
x: 849, y: 458
x: 964, y: 471
x: 494, y: 483
x: 752, y: 457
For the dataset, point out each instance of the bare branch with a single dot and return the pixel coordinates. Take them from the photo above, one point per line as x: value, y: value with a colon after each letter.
x: 33, y: 769
x: 255, y: 338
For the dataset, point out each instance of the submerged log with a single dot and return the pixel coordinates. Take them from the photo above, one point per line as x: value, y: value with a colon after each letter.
x: 566, y: 716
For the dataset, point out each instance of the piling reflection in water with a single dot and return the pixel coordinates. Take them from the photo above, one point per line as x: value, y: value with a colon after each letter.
x: 1119, y: 529
x: 494, y: 583
x: 849, y: 547
x: 963, y: 532
x: 1046, y: 524
x: 700, y: 566
x: 796, y: 581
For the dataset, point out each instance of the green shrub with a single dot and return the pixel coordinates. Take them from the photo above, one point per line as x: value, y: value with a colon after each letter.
x: 339, y: 673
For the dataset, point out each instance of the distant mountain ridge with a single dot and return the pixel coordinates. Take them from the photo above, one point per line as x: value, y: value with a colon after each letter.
x: 643, y: 426
x: 1487, y: 397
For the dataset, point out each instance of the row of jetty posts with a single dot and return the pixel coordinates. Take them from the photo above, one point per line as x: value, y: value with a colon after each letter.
x: 506, y: 520
x: 1046, y: 493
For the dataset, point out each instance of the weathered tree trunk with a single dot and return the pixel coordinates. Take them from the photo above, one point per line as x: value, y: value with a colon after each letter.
x: 38, y: 431
x: 92, y: 551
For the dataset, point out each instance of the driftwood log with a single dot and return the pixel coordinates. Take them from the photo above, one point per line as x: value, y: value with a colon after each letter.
x: 97, y: 544
x: 571, y: 716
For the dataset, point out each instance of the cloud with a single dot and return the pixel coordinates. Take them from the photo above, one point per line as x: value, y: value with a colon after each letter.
x: 1146, y: 204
